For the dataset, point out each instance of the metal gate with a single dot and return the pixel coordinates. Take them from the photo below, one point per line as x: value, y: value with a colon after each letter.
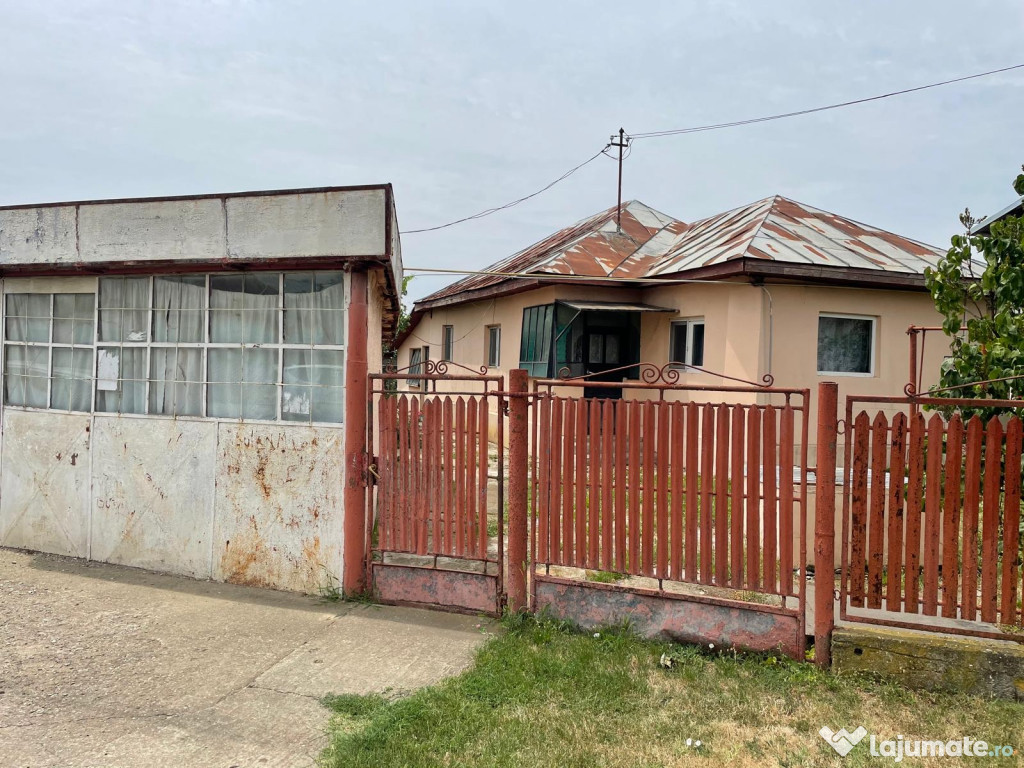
x: 435, y: 513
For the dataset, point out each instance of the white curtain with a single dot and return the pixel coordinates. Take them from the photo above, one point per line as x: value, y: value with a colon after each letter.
x: 25, y: 371
x: 178, y: 303
x: 314, y: 308
x: 176, y: 381
x: 124, y: 309
x: 71, y: 389
x: 121, y: 380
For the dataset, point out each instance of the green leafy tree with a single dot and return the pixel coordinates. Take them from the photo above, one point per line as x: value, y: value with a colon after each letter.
x: 978, y: 287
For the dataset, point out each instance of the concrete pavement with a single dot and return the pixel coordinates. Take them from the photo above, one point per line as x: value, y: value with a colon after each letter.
x: 116, y: 667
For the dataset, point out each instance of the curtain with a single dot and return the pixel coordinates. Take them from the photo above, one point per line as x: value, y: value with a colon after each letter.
x: 178, y: 304
x: 25, y: 371
x: 243, y: 383
x: 124, y: 309
x: 71, y: 389
x: 176, y: 385
x: 121, y: 379
x: 244, y: 308
x: 844, y: 344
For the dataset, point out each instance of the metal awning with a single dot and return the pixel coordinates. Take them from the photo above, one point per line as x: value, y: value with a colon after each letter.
x: 613, y: 306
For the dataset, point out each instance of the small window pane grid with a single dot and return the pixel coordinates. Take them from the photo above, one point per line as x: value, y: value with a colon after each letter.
x: 447, y: 342
x: 493, y: 346
x: 846, y: 345
x: 48, y: 352
x: 688, y: 343
x: 264, y: 346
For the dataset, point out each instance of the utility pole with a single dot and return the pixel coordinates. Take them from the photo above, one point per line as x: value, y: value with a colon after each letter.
x: 622, y: 143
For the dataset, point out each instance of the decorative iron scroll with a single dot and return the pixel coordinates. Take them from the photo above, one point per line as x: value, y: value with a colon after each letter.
x: 433, y: 368
x: 667, y: 375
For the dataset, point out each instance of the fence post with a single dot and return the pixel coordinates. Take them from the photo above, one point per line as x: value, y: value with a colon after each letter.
x: 356, y: 371
x: 518, y: 439
x: 825, y: 522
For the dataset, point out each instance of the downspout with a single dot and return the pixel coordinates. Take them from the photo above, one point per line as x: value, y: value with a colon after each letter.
x: 771, y: 328
x: 356, y: 371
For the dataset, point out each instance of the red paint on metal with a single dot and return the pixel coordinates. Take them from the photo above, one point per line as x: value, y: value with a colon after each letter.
x: 770, y: 473
x: 915, y: 496
x: 356, y: 371
x: 786, y: 532
x: 568, y: 498
x: 754, y: 469
x: 449, y: 590
x: 707, y: 448
x: 990, y: 519
x: 897, y: 466
x: 951, y: 516
x: 1011, y: 521
x: 607, y: 530
x: 581, y: 483
x: 876, y: 509
x: 972, y: 497
x: 594, y: 494
x: 518, y: 532
x: 635, y: 483
x: 824, y: 525
x: 544, y: 492
x: 647, y: 527
x: 621, y: 484
x: 721, y: 497
x: 738, y: 474
x: 692, y: 475
x: 677, y: 421
x: 551, y: 523
x: 932, y: 512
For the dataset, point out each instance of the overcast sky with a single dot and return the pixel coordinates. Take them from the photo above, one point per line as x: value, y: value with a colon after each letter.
x: 466, y: 105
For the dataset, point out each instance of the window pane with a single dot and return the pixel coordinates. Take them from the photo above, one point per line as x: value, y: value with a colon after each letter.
x: 28, y: 317
x: 314, y: 308
x: 844, y: 344
x: 72, y: 318
x: 697, y: 353
x: 176, y: 381
x: 596, y: 349
x: 25, y: 369
x: 121, y: 380
x: 124, y: 305
x: 296, y: 397
x: 71, y: 389
x: 244, y: 308
x: 328, y: 385
x: 611, y: 349
x: 178, y: 303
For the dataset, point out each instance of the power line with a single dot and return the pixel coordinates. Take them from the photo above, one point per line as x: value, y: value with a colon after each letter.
x: 489, y: 211
x: 716, y: 126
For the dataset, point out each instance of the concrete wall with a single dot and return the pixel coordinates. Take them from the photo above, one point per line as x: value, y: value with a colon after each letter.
x: 339, y: 223
x: 255, y: 504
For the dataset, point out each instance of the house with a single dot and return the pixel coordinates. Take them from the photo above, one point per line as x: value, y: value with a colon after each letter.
x: 183, y: 378
x: 774, y: 288
x: 1016, y: 208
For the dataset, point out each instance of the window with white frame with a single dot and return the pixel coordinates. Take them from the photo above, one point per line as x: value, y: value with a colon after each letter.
x: 846, y: 345
x: 493, y: 346
x: 447, y: 341
x: 48, y: 350
x: 418, y: 356
x: 687, y: 342
x: 265, y: 345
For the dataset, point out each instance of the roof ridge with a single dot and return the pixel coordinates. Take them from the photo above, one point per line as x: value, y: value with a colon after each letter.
x: 760, y: 226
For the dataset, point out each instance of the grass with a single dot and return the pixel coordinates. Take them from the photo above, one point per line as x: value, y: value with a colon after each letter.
x: 542, y: 694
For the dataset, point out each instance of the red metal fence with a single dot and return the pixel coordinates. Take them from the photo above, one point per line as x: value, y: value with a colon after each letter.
x: 432, y: 463
x: 709, y: 493
x: 932, y: 516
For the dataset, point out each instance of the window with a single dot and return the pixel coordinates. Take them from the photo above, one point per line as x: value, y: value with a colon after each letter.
x: 265, y: 345
x: 417, y: 357
x: 535, y: 345
x: 688, y: 342
x: 493, y: 346
x: 447, y: 341
x: 48, y: 350
x: 846, y: 345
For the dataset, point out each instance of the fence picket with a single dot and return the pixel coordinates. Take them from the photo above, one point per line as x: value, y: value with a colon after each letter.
x: 471, y: 464
x: 707, y: 447
x: 990, y: 519
x: 568, y: 478
x: 897, y: 468
x: 661, y: 543
x: 972, y: 495
x: 753, y: 470
x: 677, y: 421
x: 633, y: 513
x: 692, y: 475
x: 932, y: 511
x: 876, y: 509
x: 736, y: 509
x: 484, y: 415
x: 594, y: 495
x: 770, y: 481
x: 647, y: 529
x: 786, y: 531
x: 544, y: 492
x: 1011, y: 521
x: 607, y: 434
x: 915, y: 488
x: 951, y: 516
x: 460, y: 477
x: 858, y: 512
x: 621, y: 484
x: 581, y: 484
x: 722, y: 497
x: 549, y: 529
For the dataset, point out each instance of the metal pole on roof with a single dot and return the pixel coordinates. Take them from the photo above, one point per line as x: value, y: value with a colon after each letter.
x: 621, y: 144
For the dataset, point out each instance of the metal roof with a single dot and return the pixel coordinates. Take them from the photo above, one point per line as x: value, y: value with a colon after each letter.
x: 592, y: 248
x: 1013, y: 209
x: 779, y: 229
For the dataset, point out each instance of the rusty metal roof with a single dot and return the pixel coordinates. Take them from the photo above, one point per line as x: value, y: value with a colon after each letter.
x: 779, y: 229
x: 592, y: 248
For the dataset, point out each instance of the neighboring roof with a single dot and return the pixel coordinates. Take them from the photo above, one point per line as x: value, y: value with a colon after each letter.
x: 1013, y: 209
x: 592, y: 247
x: 782, y: 230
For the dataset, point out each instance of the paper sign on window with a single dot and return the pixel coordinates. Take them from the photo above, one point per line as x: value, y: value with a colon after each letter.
x: 108, y: 369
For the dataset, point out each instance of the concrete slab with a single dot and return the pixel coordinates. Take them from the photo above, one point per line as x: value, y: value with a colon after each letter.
x: 102, y: 665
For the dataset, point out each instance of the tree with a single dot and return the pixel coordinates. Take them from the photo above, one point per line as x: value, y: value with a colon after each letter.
x: 978, y: 286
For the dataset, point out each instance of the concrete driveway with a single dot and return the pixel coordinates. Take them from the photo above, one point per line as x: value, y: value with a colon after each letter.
x: 109, y: 666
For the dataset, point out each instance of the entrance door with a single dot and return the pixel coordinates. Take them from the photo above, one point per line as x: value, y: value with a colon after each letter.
x: 603, y: 347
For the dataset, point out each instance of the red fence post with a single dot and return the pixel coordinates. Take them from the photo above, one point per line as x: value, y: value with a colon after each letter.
x: 353, y: 579
x: 825, y: 522
x: 518, y: 438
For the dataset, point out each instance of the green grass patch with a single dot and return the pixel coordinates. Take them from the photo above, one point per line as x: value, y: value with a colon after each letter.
x: 542, y: 694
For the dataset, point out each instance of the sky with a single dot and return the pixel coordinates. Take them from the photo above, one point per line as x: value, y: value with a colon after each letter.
x: 466, y: 105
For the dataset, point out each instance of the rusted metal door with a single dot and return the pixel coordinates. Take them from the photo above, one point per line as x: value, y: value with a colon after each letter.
x: 435, y: 517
